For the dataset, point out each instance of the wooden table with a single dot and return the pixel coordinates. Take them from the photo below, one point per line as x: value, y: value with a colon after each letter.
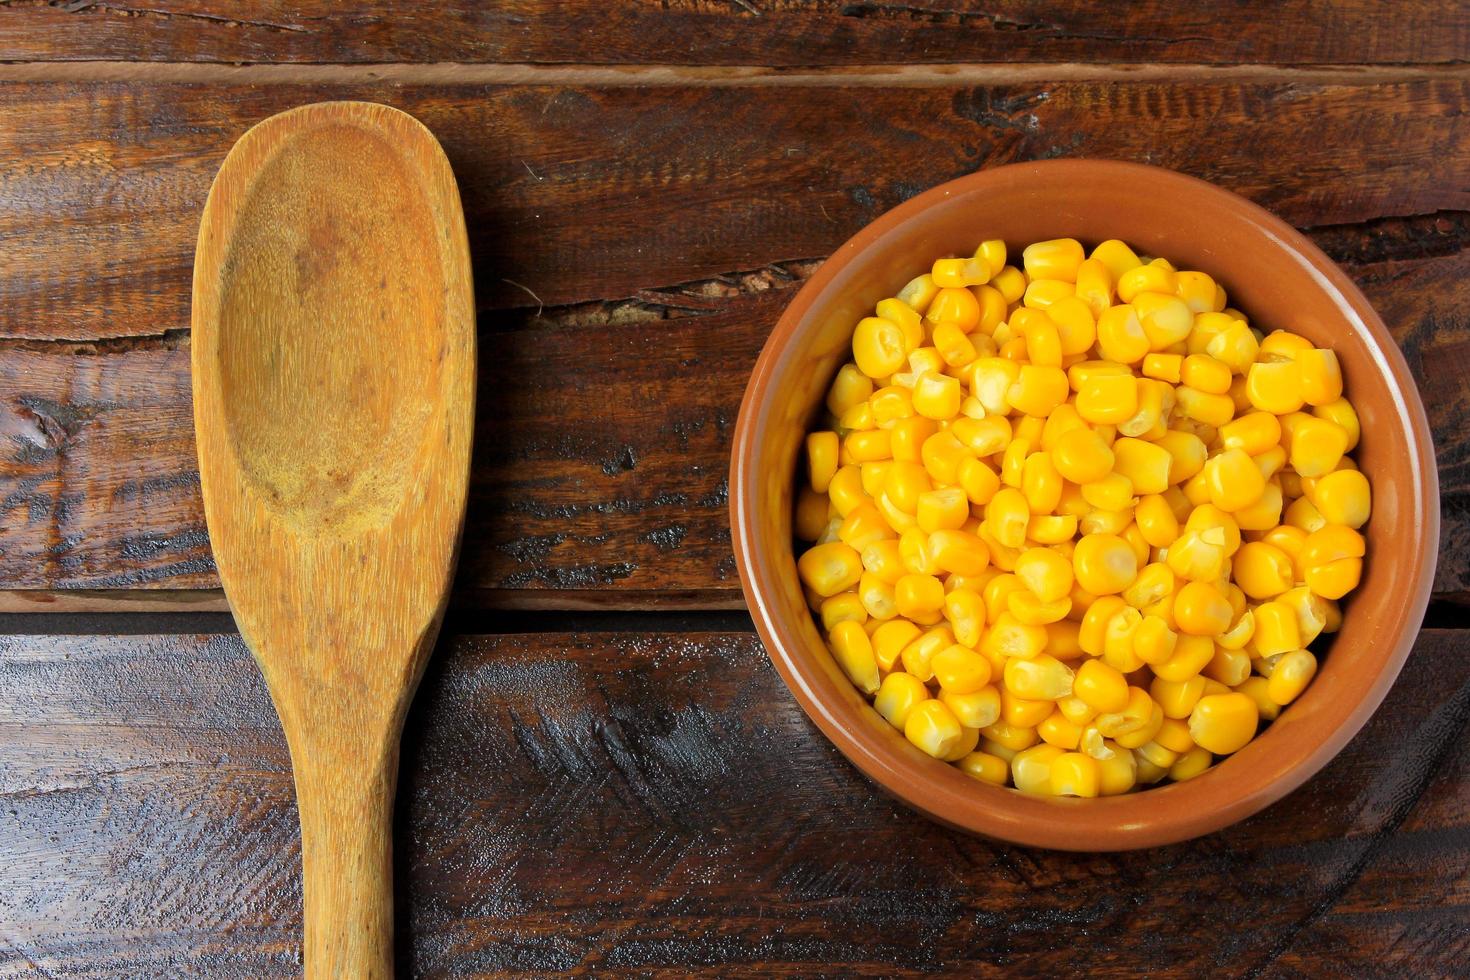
x: 602, y: 774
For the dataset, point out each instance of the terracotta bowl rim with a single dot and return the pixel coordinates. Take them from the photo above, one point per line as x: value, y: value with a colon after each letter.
x: 1142, y: 819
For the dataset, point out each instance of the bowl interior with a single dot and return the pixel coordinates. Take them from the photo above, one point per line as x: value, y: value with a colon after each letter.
x: 1272, y: 274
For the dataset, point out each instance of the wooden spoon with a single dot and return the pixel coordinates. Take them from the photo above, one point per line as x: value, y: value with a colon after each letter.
x: 334, y: 382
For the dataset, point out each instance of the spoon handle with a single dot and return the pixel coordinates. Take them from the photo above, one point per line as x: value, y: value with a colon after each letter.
x: 345, y: 799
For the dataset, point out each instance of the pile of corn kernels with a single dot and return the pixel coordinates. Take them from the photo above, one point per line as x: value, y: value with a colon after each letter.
x: 1077, y: 523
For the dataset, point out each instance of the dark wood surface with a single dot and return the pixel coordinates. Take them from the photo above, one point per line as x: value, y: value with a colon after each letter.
x: 634, y: 245
x: 656, y: 804
x: 646, y: 185
x: 761, y: 32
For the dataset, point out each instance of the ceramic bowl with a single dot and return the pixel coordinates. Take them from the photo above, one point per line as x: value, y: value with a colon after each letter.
x: 1272, y: 273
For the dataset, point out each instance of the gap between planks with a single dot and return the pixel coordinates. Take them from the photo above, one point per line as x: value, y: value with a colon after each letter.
x: 753, y: 76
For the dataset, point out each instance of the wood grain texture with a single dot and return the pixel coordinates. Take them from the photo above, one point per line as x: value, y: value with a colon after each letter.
x: 657, y: 804
x: 766, y: 32
x: 664, y: 230
x: 333, y: 366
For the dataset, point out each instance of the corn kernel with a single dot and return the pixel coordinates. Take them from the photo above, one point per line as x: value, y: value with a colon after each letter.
x: 1191, y: 654
x: 1342, y: 412
x: 1342, y: 497
x: 1277, y: 629
x: 1146, y: 465
x: 955, y: 305
x: 958, y: 552
x: 1037, y: 390
x: 1101, y: 687
x: 1166, y: 319
x: 1234, y: 481
x: 1056, y: 730
x: 1204, y: 407
x: 1056, y: 259
x: 985, y: 767
x: 1163, y: 367
x: 918, y: 656
x: 1263, y: 571
x: 889, y: 641
x: 1074, y: 774
x: 1317, y: 446
x: 1154, y: 641
x: 1039, y: 678
x: 950, y: 273
x: 1290, y: 676
x: 864, y: 447
x: 1134, y: 717
x: 1275, y: 387
x: 1008, y: 736
x: 1007, y: 515
x: 918, y: 594
x: 1193, y: 763
x: 1321, y: 375
x: 1051, y: 528
x: 841, y: 608
x: 933, y: 728
x: 1031, y: 769
x: 828, y: 569
x: 853, y: 651
x: 821, y: 455
x: 879, y: 347
x: 1186, y: 451
x: 1235, y: 347
x: 1007, y: 637
x: 1041, y: 484
x: 898, y: 695
x: 1118, y: 773
x: 1145, y: 279
x: 1104, y: 564
x: 1223, y: 723
x: 1333, y: 560
x: 1177, y: 698
x: 960, y: 670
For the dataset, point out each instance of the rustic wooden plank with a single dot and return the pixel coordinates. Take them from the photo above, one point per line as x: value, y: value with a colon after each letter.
x: 666, y: 250
x: 657, y: 803
x: 767, y: 32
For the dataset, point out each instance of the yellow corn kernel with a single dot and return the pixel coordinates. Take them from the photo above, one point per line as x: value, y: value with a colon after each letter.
x: 958, y: 552
x: 1166, y: 320
x: 1190, y: 764
x: 969, y: 742
x: 1233, y: 480
x: 1118, y: 773
x: 1163, y: 367
x: 1290, y: 675
x: 1074, y: 774
x: 853, y: 651
x: 1062, y: 637
x: 993, y: 251
x: 878, y: 597
x: 918, y: 293
x: 865, y: 447
x: 1002, y: 557
x: 933, y: 728
x: 1310, y: 609
x: 1042, y: 293
x: 1277, y: 629
x: 1146, y: 465
x: 1223, y: 723
x: 1321, y: 375
x: 1107, y: 399
x: 1009, y: 736
x: 1146, y: 279
x: 997, y: 594
x: 1116, y: 257
x: 1134, y: 716
x: 1051, y: 528
x: 977, y: 480
x: 864, y: 525
x: 1075, y: 710
x: 1037, y: 390
x: 857, y: 418
x: 895, y: 518
x: 1173, y: 734
x: 1039, y: 678
x: 944, y: 509
x: 1101, y: 687
x: 1056, y: 730
x: 1154, y: 641
x: 1156, y: 522
x: 1304, y: 514
x: 1290, y: 540
x: 913, y: 551
x: 828, y: 569
x: 985, y: 767
x: 1204, y: 407
x: 1155, y: 400
x: 1031, y: 769
x: 1057, y: 259
x: 1333, y: 560
x: 1229, y: 667
x: 955, y: 305
x: 889, y: 641
x: 1253, y: 434
x: 879, y: 347
x: 1010, y: 282
x: 1342, y: 497
x: 917, y: 656
x: 1225, y: 530
x: 1118, y: 650
x: 1283, y: 345
x: 1041, y: 484
x: 936, y: 396
x: 918, y: 595
x: 875, y: 476
x: 1186, y: 451
x: 992, y: 306
x: 1197, y: 290
x: 904, y: 483
x: 1013, y: 461
x: 1317, y: 446
x: 1104, y: 564
x: 1112, y: 492
x: 1094, y: 286
x: 1092, y: 631
x: 1205, y: 373
x: 1155, y: 582
x: 1200, y: 609
x: 1155, y: 754
x: 1342, y: 412
x: 1008, y: 637
x: 841, y: 608
x: 1082, y: 456
x: 1262, y: 571
x: 1006, y: 517
x: 813, y: 510
x: 1177, y: 698
x: 898, y: 695
x: 953, y: 345
x: 1022, y: 713
x: 985, y: 436
x: 977, y: 709
x: 850, y: 387
x: 950, y: 273
x: 960, y: 670
x: 1275, y: 386
x: 1256, y: 688
x: 1235, y: 347
x: 821, y: 459
x: 1120, y: 335
x: 1191, y: 654
x: 906, y: 437
x: 1047, y: 574
x: 965, y: 611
